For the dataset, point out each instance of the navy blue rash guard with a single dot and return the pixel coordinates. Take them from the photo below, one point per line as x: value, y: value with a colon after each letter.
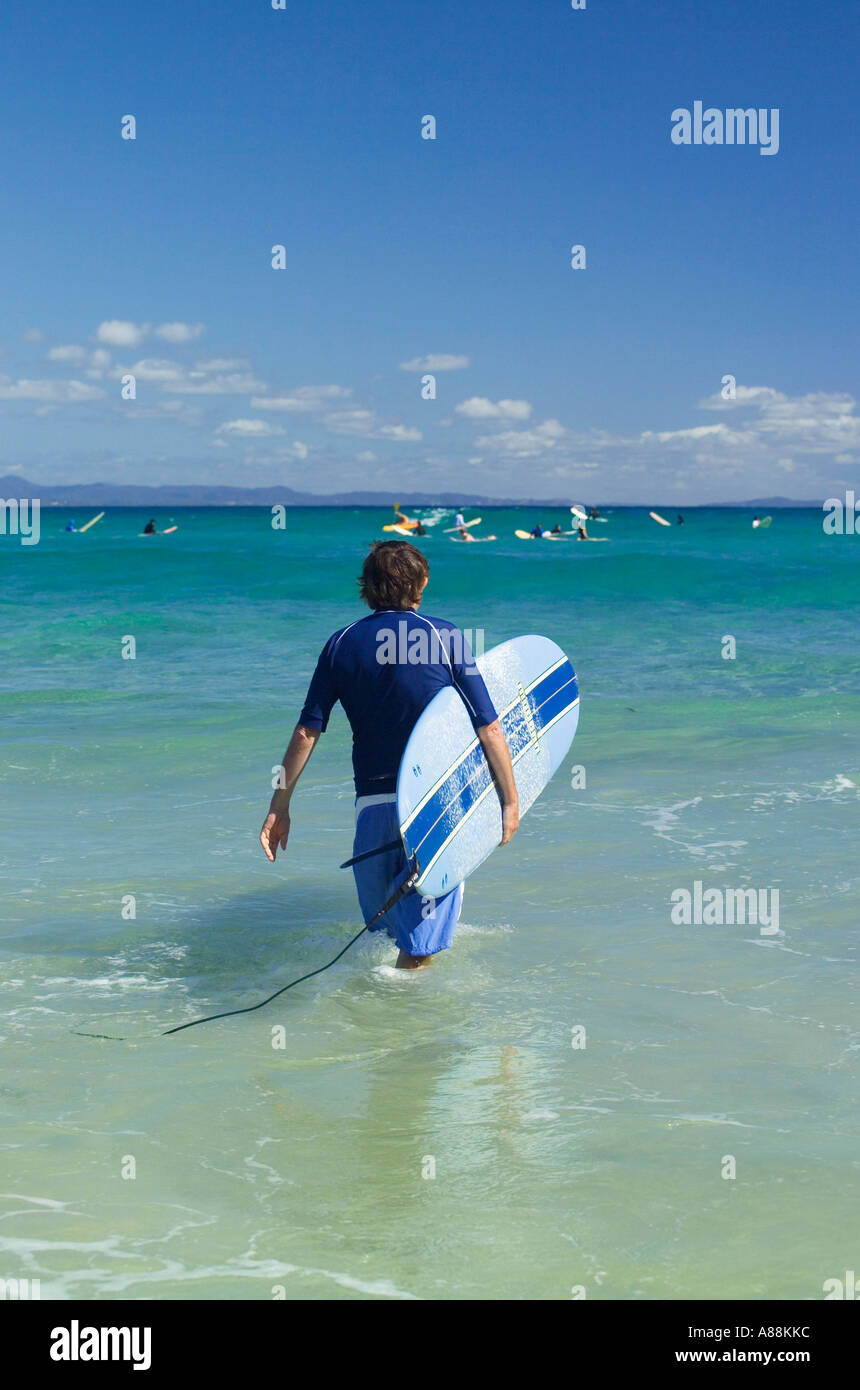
x: 384, y: 697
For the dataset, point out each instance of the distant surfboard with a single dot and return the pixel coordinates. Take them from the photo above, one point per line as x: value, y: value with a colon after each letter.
x: 448, y: 807
x: 91, y: 523
x: 764, y: 522
x: 655, y: 516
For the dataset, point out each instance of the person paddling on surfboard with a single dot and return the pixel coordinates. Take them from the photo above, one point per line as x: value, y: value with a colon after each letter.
x: 149, y: 529
x: 385, y: 669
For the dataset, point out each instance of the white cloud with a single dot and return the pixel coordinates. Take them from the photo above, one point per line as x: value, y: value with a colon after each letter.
x: 744, y: 395
x: 179, y: 380
x: 363, y: 424
x: 350, y: 422
x: 303, y: 398
x: 121, y: 333
x: 198, y: 384
x: 479, y: 408
x: 523, y: 443
x: 696, y: 432
x: 68, y: 392
x: 249, y: 429
x: 367, y: 456
x: 71, y: 353
x: 96, y: 358
x: 33, y: 335
x: 156, y: 369
x: 179, y: 332
x: 436, y: 362
x: 816, y: 423
x: 402, y: 433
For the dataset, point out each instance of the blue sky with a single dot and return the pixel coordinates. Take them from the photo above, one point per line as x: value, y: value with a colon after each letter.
x: 302, y: 127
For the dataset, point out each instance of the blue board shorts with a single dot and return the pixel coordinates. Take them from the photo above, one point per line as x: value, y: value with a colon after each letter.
x: 421, y: 926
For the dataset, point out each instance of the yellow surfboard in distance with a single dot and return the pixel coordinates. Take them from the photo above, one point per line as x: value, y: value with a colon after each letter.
x: 90, y: 523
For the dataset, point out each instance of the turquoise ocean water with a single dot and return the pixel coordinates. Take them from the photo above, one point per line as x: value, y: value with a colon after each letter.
x: 308, y: 1167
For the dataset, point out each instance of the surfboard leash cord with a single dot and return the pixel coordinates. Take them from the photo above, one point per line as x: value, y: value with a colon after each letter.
x: 399, y: 892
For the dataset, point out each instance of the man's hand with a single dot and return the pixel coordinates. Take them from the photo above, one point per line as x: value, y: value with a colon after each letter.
x: 275, y: 832
x: 276, y: 827
x: 497, y: 755
x: 510, y: 821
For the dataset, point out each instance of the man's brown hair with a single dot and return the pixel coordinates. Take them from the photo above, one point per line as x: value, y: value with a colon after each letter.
x: 392, y: 575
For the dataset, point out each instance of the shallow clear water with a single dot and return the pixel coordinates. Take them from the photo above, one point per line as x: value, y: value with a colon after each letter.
x: 302, y: 1166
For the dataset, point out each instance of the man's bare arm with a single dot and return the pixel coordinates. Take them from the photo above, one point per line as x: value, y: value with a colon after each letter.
x: 276, y: 827
x: 499, y: 758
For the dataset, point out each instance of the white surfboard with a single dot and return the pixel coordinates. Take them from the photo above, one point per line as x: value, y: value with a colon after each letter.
x: 476, y: 521
x: 655, y: 516
x: 448, y: 807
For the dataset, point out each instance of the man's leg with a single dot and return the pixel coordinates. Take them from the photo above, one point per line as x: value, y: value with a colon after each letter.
x: 405, y: 962
x: 425, y: 926
x: 421, y: 926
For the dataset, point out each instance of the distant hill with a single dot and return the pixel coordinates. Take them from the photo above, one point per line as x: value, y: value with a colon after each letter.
x: 201, y: 495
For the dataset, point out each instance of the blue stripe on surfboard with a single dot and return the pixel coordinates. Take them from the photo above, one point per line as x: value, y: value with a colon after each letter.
x: 469, y: 781
x: 560, y: 675
x: 517, y: 734
x: 465, y: 803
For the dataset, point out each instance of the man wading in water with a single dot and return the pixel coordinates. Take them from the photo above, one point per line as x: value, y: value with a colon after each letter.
x: 385, y: 669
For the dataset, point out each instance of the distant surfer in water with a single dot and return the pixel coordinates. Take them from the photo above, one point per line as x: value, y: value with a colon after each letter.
x: 460, y: 523
x: 680, y: 519
x: 537, y: 532
x: 582, y: 534
x: 149, y: 529
x: 420, y: 530
x: 383, y: 697
x: 71, y: 526
x: 556, y: 530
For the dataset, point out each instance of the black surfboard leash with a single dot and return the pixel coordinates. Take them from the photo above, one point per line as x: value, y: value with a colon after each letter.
x: 399, y: 892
